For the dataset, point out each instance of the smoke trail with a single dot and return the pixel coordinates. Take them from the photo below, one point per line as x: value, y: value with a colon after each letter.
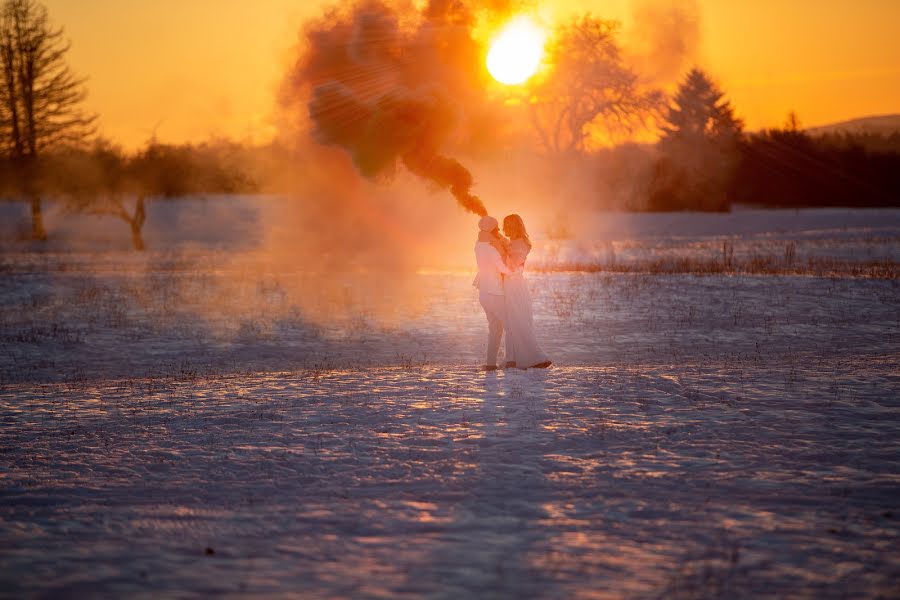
x: 446, y: 172
x: 383, y: 95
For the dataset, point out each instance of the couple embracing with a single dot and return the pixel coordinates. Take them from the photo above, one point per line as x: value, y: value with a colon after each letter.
x: 504, y: 294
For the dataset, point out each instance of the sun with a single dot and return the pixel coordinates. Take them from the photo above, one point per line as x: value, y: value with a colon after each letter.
x: 516, y: 52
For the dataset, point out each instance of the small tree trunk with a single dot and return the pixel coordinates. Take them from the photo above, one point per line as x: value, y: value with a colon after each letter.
x: 37, y: 219
x: 137, y: 240
x: 137, y: 224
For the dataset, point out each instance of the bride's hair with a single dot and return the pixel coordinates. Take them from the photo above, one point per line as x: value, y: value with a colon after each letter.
x: 514, y: 227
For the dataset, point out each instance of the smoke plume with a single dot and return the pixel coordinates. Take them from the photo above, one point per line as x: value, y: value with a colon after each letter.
x: 664, y: 38
x: 399, y: 125
x: 394, y: 86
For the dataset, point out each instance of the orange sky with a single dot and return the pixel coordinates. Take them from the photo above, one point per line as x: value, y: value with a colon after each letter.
x: 190, y: 69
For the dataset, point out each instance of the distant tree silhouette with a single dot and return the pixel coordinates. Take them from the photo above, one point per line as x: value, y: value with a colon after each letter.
x: 104, y: 180
x: 169, y: 171
x: 792, y: 122
x: 699, y: 112
x: 99, y: 180
x: 872, y: 142
x: 789, y: 168
x: 589, y: 91
x: 698, y: 148
x: 40, y: 99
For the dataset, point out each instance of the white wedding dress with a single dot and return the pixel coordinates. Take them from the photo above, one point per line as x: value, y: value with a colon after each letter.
x: 521, y: 344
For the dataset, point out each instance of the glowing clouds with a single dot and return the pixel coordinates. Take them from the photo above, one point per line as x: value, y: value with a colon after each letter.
x: 516, y: 52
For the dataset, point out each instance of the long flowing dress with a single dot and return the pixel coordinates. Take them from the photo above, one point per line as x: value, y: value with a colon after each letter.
x: 521, y: 344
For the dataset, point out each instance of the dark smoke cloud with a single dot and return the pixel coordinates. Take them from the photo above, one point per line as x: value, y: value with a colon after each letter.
x: 392, y: 85
x: 399, y: 124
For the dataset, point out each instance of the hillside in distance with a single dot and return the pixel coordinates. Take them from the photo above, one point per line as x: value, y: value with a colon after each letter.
x: 880, y: 125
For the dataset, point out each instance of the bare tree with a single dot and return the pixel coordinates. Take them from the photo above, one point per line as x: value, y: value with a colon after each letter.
x: 40, y: 97
x: 589, y: 91
x: 792, y: 123
x: 100, y: 180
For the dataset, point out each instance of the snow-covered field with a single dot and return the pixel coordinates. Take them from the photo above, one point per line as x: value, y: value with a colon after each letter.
x: 180, y: 424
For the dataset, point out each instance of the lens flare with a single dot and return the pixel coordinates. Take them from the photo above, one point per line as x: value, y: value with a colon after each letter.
x: 516, y: 52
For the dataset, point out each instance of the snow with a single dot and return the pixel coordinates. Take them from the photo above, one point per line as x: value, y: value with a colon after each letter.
x: 176, y: 424
x: 386, y: 482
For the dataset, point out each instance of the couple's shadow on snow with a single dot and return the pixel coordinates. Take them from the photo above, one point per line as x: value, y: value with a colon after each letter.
x: 497, y: 522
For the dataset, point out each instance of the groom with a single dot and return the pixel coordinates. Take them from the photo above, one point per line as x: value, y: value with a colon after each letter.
x: 489, y: 281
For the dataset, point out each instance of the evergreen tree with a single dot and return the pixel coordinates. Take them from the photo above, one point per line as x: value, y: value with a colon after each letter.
x: 698, y: 148
x: 700, y: 113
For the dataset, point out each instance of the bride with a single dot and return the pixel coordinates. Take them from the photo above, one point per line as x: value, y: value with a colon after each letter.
x: 522, y: 349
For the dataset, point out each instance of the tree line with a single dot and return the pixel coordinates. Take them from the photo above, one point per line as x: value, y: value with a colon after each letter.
x: 787, y: 168
x: 707, y: 162
x: 704, y: 159
x: 48, y: 143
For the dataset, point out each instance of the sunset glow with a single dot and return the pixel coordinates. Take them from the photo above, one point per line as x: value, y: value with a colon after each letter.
x: 150, y: 86
x: 516, y: 52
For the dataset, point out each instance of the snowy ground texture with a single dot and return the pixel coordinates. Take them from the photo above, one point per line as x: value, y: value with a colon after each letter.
x: 663, y: 482
x: 175, y: 426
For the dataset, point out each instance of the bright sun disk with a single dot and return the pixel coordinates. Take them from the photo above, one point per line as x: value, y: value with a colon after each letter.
x: 516, y: 52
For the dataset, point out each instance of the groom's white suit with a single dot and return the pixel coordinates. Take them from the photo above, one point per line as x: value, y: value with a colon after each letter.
x: 489, y: 282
